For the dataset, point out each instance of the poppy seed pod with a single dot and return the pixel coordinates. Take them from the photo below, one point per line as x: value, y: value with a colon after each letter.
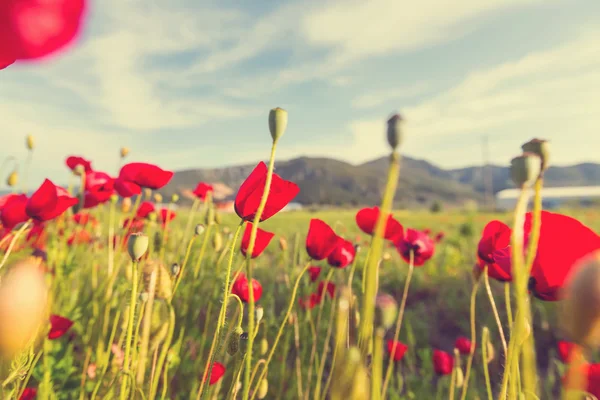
x: 263, y: 389
x: 124, y: 152
x: 394, y: 131
x: 217, y: 241
x: 525, y: 169
x: 126, y: 205
x: 137, y: 245
x: 175, y: 269
x: 218, y: 218
x: 174, y: 198
x: 209, y: 217
x: 158, y: 198
x: 199, y: 229
x: 30, y: 142
x: 541, y: 148
x: 278, y: 119
x: 12, y: 179
x: 386, y: 311
x: 233, y: 346
x: 580, y: 308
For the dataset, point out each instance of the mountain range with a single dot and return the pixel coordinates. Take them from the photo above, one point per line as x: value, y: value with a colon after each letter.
x: 325, y: 181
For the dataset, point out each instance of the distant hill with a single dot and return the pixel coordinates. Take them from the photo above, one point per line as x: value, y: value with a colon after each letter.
x: 325, y: 181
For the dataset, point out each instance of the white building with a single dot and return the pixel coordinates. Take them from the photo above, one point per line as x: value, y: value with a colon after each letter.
x: 552, y: 197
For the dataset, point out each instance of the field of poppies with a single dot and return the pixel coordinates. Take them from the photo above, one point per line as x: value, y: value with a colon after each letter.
x: 107, y: 291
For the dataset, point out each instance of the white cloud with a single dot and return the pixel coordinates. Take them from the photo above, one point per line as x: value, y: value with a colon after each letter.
x: 374, y: 99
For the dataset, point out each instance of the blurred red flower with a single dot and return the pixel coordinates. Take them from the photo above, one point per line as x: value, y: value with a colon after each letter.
x: 419, y: 243
x: 145, y: 209
x: 6, y: 62
x: 494, y: 238
x: 313, y: 273
x: 83, y: 218
x: 463, y: 345
x: 564, y: 350
x: 73, y: 161
x: 309, y: 302
x: 202, y: 190
x: 342, y: 255
x: 250, y: 193
x: 79, y: 237
x: 326, y: 286
x: 49, y: 202
x: 241, y: 289
x: 165, y: 216
x: 442, y: 362
x: 367, y: 218
x: 439, y: 237
x: 32, y: 29
x: 321, y: 240
x: 58, y: 326
x: 396, y: 349
x: 144, y: 175
x: 12, y: 212
x: 263, y: 238
x: 217, y: 372
x: 28, y: 394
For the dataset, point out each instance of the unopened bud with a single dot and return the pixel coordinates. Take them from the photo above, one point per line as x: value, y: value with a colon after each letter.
x: 199, y: 230
x: 209, y: 217
x: 460, y: 378
x: 147, y: 193
x: 174, y: 198
x: 12, y: 179
x: 541, y: 148
x: 137, y: 245
x: 218, y: 218
x: 152, y: 217
x: 283, y: 245
x: 158, y: 198
x: 30, y: 142
x: 124, y: 152
x: 350, y: 380
x: 386, y: 311
x: 525, y: 169
x: 278, y: 119
x: 386, y: 256
x: 264, y: 346
x: 580, y: 311
x: 233, y: 346
x: 114, y: 198
x: 260, y: 312
x: 126, y: 205
x: 227, y: 231
x: 217, y: 241
x: 79, y: 170
x: 175, y: 269
x: 394, y: 131
x: 263, y: 389
x: 292, y: 319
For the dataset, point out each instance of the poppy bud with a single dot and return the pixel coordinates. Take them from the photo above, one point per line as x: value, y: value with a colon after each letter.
x: 126, y: 205
x: 263, y: 389
x: 264, y: 347
x: 387, y: 310
x: 174, y: 198
x: 209, y: 217
x: 152, y: 217
x: 114, y: 198
x: 137, y: 245
x: 147, y: 193
x: 460, y: 378
x: 217, y: 241
x: 175, y: 268
x: 541, y: 148
x: 158, y: 198
x: 30, y: 142
x: 199, y: 230
x: 292, y: 319
x: 394, y: 131
x: 243, y: 341
x: 351, y: 380
x: 233, y: 346
x: 218, y: 218
x: 386, y: 256
x: 79, y: 170
x: 278, y: 119
x: 259, y: 314
x: 227, y: 231
x: 525, y: 169
x: 23, y: 297
x: 144, y: 297
x: 124, y: 152
x: 283, y: 245
x: 489, y: 347
x: 12, y: 179
x: 580, y: 311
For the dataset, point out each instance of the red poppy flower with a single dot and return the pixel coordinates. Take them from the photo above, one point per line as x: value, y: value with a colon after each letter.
x: 37, y: 236
x: 314, y: 273
x: 83, y: 218
x: 367, y: 218
x: 442, y: 362
x: 96, y: 180
x: 48, y: 202
x: 495, y: 238
x: 6, y: 62
x: 563, y: 241
x: 165, y: 215
x: 135, y: 225
x: 593, y: 379
x: 419, y: 243
x: 202, y: 190
x: 79, y: 237
x: 463, y: 345
x: 427, y: 231
x: 58, y: 326
x: 321, y: 240
x: 310, y: 301
x: 564, y: 350
x: 342, y: 255
x: 13, y: 212
x: 73, y: 161
x: 217, y: 372
x: 31, y: 29
x: 396, y: 349
x: 263, y: 238
x: 439, y: 237
x: 240, y: 289
x: 250, y: 193
x: 326, y: 286
x: 145, y: 209
x: 126, y: 188
x: 145, y: 175
x: 28, y: 394
x: 93, y: 199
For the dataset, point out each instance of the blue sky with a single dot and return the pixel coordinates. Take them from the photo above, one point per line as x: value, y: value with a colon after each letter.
x: 189, y: 83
